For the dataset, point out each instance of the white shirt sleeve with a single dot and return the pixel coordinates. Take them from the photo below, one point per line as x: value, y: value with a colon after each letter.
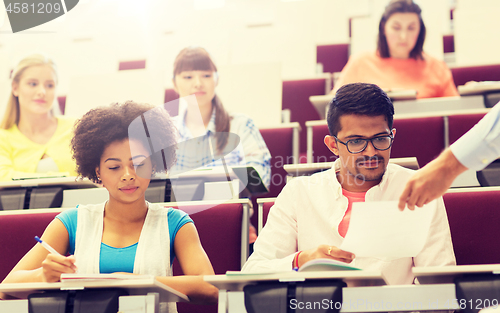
x: 481, y: 145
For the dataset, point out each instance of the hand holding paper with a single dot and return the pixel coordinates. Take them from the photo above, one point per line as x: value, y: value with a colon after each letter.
x: 380, y: 229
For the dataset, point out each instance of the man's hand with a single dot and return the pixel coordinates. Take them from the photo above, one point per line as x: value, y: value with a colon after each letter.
x: 325, y: 252
x: 431, y: 181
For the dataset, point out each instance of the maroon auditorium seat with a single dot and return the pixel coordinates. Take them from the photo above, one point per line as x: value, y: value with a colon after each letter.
x: 461, y: 75
x: 321, y: 153
x: 448, y: 43
x: 279, y: 141
x: 219, y: 229
x: 296, y: 95
x: 218, y: 226
x: 17, y: 234
x: 61, y: 100
x: 265, y: 205
x: 170, y: 94
x: 460, y: 124
x: 171, y: 102
x: 474, y: 217
x: 132, y: 65
x: 421, y: 137
x: 333, y: 57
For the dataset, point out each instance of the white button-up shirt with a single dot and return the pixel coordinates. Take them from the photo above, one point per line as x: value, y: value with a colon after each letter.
x: 308, y: 211
x: 481, y: 145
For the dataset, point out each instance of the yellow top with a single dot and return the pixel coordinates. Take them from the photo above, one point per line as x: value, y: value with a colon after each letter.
x: 19, y: 156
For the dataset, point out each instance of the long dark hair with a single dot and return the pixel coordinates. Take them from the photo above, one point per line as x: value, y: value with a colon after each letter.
x: 198, y: 59
x: 400, y: 6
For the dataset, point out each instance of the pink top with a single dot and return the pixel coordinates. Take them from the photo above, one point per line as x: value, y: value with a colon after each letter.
x: 351, y: 197
x: 430, y: 77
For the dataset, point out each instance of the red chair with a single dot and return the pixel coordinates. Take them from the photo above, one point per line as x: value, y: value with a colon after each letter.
x: 448, y: 43
x: 474, y: 216
x: 296, y: 95
x: 460, y: 124
x: 317, y: 150
x: 17, y: 234
x: 418, y: 137
x: 461, y: 75
x: 265, y: 205
x: 222, y: 231
x: 333, y: 57
x: 132, y: 65
x: 282, y: 143
x: 62, y: 103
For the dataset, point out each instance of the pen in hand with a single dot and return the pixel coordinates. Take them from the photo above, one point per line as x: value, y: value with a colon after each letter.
x: 46, y: 246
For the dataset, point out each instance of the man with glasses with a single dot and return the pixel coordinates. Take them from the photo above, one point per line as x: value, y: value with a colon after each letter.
x: 311, y: 215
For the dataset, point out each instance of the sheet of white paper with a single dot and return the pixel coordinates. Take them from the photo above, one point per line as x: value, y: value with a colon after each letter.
x: 379, y: 229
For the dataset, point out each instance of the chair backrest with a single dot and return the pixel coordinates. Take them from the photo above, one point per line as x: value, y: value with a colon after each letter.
x: 448, y: 43
x: 296, y: 95
x: 17, y: 234
x: 132, y: 65
x: 265, y: 205
x: 333, y: 57
x: 474, y: 217
x: 419, y: 137
x: 220, y: 230
x: 460, y: 124
x: 461, y: 75
x: 320, y: 152
x: 281, y: 142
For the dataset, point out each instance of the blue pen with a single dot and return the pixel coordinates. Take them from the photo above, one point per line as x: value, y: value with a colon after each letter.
x: 46, y: 246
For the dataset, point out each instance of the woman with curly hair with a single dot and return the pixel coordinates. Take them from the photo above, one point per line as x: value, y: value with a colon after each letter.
x: 121, y: 147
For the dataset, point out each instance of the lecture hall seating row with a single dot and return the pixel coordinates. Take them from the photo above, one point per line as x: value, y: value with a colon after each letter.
x: 222, y: 225
x: 296, y: 93
x: 423, y: 137
x: 473, y: 215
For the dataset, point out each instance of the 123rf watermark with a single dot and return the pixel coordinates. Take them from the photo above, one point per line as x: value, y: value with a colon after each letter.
x: 26, y: 14
x: 363, y: 304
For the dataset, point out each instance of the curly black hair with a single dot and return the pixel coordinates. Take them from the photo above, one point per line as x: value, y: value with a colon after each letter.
x: 102, y: 126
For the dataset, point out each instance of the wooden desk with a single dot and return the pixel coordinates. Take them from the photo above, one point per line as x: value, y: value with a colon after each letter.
x: 383, y: 298
x: 134, y: 287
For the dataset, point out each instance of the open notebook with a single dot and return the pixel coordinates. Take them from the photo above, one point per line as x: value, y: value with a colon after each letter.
x: 67, y: 277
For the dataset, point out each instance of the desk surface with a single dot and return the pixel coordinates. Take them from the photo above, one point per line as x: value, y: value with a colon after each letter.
x: 237, y: 281
x: 446, y: 274
x: 70, y: 181
x: 134, y: 287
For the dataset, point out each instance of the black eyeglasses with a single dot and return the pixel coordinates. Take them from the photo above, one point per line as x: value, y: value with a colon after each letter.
x: 380, y: 143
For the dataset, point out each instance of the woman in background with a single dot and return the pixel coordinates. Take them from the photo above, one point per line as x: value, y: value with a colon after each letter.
x: 126, y: 233
x: 399, y: 62
x: 32, y: 139
x: 196, y: 74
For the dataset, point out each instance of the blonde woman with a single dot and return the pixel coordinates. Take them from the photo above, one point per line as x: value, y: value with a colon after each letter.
x: 32, y: 139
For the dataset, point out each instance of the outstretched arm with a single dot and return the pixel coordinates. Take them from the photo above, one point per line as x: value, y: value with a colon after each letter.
x: 431, y: 181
